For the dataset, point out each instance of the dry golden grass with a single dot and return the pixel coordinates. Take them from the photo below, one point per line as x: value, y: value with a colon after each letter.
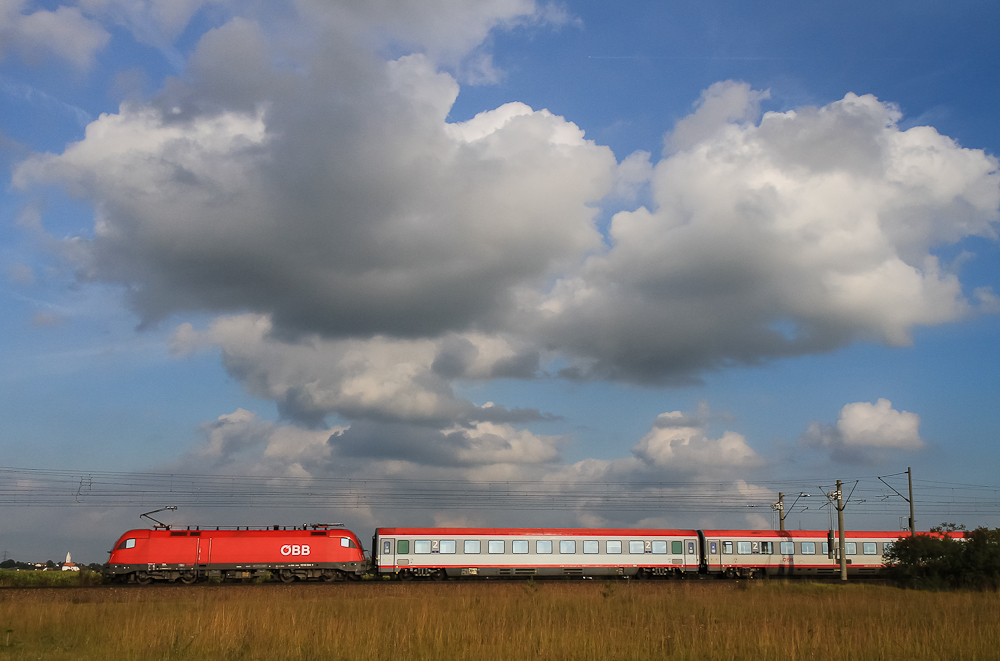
x: 703, y: 620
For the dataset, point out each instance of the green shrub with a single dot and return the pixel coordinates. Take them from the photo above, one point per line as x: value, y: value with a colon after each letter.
x: 48, y: 579
x: 944, y: 562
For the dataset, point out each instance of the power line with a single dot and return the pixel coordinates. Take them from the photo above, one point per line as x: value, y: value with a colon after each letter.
x: 59, y: 488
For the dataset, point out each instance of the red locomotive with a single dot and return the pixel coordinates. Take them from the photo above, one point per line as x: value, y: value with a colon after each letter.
x: 317, y: 552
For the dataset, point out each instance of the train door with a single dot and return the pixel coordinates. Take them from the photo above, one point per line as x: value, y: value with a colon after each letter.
x: 204, y: 552
x: 786, y: 549
x: 387, y: 554
x: 713, y: 555
x: 691, y: 559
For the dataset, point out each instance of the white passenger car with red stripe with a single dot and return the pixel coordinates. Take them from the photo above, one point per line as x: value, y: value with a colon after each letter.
x: 493, y: 552
x: 749, y: 553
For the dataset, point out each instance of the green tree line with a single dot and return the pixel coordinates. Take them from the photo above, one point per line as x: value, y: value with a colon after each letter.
x: 946, y: 562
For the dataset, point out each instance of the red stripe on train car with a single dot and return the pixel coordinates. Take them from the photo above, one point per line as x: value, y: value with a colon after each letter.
x: 538, y: 532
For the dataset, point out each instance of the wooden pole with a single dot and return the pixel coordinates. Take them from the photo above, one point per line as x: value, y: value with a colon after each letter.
x: 913, y: 522
x: 781, y: 509
x: 840, y: 527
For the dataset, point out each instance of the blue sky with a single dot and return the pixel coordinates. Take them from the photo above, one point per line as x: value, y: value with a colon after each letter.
x: 737, y: 249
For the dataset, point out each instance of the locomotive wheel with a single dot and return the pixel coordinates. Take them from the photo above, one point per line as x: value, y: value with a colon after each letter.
x: 641, y: 575
x: 439, y: 575
x: 142, y: 578
x: 332, y: 575
x: 286, y: 576
x: 406, y: 575
x: 189, y: 578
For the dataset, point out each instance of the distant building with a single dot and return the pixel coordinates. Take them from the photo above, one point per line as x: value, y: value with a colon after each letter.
x: 69, y: 565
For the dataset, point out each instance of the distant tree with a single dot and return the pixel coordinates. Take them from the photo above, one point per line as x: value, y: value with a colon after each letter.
x: 981, y: 559
x: 9, y: 563
x: 922, y: 560
x: 942, y: 562
x: 49, y: 564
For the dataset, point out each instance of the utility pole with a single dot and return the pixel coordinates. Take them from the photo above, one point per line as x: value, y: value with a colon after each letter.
x: 840, y: 527
x: 909, y: 479
x: 781, y: 509
x: 913, y: 522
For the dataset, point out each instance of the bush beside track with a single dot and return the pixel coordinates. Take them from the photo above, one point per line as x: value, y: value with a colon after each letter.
x: 942, y: 562
x: 49, y: 579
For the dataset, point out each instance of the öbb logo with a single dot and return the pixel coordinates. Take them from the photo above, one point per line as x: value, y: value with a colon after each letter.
x: 295, y: 549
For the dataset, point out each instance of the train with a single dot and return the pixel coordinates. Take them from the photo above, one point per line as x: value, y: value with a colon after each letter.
x: 439, y: 553
x: 322, y: 552
x: 309, y: 552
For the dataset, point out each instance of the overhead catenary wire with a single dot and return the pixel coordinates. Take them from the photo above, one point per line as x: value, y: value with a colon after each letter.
x: 29, y: 487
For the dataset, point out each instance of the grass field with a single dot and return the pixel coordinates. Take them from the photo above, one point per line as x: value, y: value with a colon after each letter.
x: 48, y: 579
x: 703, y: 620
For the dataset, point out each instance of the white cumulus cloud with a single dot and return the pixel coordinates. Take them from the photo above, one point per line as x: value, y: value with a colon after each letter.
x: 676, y: 444
x: 64, y: 32
x: 356, y: 213
x: 879, y: 425
x: 241, y: 443
x: 801, y: 233
x: 866, y: 432
x: 360, y: 253
x: 379, y: 378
